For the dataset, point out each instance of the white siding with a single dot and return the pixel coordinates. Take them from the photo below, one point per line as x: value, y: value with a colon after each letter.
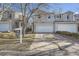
x: 71, y: 17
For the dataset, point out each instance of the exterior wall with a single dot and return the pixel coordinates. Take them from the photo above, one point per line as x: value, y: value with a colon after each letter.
x: 44, y: 18
x: 71, y: 17
x: 54, y: 17
x: 17, y: 15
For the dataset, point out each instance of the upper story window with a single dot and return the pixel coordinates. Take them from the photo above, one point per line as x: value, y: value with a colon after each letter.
x: 67, y: 16
x: 49, y: 17
x: 58, y: 16
x: 77, y: 19
x: 7, y: 15
x: 39, y: 16
x: 10, y: 15
x: 76, y: 16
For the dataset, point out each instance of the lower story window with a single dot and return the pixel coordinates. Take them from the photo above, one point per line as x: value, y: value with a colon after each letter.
x: 78, y: 27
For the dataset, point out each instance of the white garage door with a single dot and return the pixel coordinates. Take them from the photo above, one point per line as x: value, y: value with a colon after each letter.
x: 66, y: 27
x: 44, y: 28
x: 4, y: 27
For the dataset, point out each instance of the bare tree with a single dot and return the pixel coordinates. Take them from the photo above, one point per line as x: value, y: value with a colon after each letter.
x: 27, y: 13
x: 26, y: 10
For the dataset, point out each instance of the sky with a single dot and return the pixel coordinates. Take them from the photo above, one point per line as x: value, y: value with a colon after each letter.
x: 63, y: 7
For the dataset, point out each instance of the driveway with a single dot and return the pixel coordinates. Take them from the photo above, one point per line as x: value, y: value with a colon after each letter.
x: 41, y: 46
x: 59, y: 45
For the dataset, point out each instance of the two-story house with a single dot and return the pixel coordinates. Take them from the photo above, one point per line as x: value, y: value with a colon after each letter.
x: 51, y: 22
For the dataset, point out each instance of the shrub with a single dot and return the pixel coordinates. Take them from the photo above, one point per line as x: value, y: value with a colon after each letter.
x: 59, y: 32
x: 76, y: 35
x: 64, y: 33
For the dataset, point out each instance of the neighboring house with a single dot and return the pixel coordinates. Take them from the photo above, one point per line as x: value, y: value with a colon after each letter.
x: 44, y: 22
x: 8, y: 21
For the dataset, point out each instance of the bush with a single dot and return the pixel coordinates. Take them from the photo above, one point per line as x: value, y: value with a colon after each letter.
x: 76, y: 35
x: 64, y: 33
x: 59, y: 32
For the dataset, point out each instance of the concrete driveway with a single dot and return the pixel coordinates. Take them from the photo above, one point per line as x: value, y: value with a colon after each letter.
x: 59, y: 45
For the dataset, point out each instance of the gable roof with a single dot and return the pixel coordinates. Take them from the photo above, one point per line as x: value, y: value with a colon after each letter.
x: 69, y: 12
x: 41, y: 12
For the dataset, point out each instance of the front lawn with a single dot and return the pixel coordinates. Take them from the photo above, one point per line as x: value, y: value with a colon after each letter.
x: 29, y: 36
x: 49, y: 36
x: 14, y: 44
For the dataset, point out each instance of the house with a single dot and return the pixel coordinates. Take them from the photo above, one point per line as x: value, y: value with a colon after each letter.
x: 44, y: 22
x: 8, y: 20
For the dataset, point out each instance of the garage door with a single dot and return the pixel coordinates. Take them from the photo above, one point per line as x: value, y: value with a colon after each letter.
x: 4, y: 27
x: 66, y: 27
x: 44, y: 28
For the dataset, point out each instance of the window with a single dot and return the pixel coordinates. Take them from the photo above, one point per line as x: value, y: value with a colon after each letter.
x: 67, y: 16
x: 10, y: 16
x: 58, y: 16
x: 77, y: 19
x: 49, y: 17
x: 39, y: 16
x: 78, y: 27
x: 5, y: 15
